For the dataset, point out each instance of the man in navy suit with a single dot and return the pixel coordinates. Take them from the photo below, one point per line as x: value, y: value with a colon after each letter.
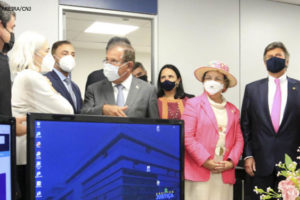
x: 64, y: 55
x: 270, y: 119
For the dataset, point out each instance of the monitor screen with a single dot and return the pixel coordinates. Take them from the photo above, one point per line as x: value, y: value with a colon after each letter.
x: 6, y: 159
x: 106, y: 158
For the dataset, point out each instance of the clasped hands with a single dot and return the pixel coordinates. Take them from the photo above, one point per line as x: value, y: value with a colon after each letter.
x: 218, y: 167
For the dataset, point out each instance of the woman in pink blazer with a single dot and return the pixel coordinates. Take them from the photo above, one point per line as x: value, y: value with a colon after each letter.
x: 213, y: 138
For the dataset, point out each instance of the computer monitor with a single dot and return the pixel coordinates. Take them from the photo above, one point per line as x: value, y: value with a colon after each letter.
x: 7, y: 158
x: 90, y: 157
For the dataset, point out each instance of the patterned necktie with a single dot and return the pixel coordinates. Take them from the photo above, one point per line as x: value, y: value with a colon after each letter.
x: 120, y: 97
x: 276, y: 108
x: 70, y: 90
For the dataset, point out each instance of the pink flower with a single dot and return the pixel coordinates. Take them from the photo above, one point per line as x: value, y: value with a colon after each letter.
x: 288, y: 190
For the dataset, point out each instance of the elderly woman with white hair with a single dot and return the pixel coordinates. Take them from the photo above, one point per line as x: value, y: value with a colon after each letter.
x: 31, y: 91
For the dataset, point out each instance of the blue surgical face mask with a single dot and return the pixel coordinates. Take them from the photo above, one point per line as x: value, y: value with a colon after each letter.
x: 167, y: 85
x: 275, y: 64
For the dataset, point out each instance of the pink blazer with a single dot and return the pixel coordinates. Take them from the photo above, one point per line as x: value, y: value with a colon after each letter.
x: 201, y: 136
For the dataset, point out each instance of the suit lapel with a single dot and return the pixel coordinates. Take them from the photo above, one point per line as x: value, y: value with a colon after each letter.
x: 109, y: 92
x: 209, y: 111
x: 291, y: 95
x: 133, y: 92
x: 62, y: 87
x: 65, y: 93
x: 263, y: 94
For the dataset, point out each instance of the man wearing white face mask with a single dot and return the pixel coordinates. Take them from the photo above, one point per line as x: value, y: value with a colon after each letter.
x: 120, y: 94
x: 64, y: 55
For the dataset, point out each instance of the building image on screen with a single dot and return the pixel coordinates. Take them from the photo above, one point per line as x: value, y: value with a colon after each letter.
x: 5, y: 162
x: 83, y: 160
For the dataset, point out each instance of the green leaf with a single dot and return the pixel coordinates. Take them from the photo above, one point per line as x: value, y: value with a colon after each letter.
x: 288, y: 161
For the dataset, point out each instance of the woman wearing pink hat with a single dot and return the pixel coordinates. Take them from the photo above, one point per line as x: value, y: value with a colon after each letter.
x: 213, y: 138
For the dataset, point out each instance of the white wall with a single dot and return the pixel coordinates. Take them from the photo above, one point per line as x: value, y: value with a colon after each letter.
x: 262, y: 23
x: 193, y: 32
x: 42, y: 18
x: 89, y: 60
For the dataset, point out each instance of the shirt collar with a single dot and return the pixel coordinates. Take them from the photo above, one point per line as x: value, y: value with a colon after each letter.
x: 281, y: 78
x: 126, y: 83
x: 61, y: 75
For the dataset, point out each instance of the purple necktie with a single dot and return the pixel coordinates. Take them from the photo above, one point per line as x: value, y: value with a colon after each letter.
x: 275, y: 114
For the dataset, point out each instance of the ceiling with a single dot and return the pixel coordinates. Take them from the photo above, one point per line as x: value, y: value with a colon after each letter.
x: 294, y: 2
x: 76, y: 22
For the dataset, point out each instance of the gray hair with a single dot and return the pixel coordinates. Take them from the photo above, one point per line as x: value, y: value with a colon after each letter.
x: 21, y: 56
x: 275, y: 45
x: 5, y: 13
x: 129, y: 53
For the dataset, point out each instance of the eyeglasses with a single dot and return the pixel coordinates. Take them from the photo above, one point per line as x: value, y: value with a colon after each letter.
x: 113, y: 62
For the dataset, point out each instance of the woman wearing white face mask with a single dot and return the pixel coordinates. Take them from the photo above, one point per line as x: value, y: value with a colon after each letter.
x: 31, y: 91
x: 213, y: 138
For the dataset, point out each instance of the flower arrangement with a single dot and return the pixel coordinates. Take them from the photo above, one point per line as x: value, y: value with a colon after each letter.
x: 289, y: 188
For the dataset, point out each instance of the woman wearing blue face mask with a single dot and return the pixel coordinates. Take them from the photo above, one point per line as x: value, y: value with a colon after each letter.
x: 171, y: 96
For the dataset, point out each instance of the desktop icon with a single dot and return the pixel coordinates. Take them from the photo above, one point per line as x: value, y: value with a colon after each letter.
x: 38, y: 144
x: 38, y: 165
x: 38, y: 134
x: 38, y: 184
x: 38, y: 174
x: 38, y: 194
x: 38, y: 155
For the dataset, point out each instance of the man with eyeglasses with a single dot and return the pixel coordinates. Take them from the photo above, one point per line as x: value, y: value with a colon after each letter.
x: 120, y: 94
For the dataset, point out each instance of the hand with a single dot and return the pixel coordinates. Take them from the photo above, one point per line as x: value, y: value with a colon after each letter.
x: 211, y: 165
x: 250, y: 166
x: 21, y: 125
x: 114, y: 110
x: 224, y: 166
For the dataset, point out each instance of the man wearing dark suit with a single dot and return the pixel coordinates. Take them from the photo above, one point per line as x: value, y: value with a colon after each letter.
x: 94, y: 77
x: 120, y: 94
x: 7, y: 39
x: 64, y: 56
x: 270, y: 119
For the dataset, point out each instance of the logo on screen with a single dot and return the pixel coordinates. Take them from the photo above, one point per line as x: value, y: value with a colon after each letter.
x: 166, y: 194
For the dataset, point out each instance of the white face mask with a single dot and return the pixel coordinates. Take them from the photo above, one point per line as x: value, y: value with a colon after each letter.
x: 67, y: 63
x: 47, y: 63
x: 213, y: 87
x: 111, y: 71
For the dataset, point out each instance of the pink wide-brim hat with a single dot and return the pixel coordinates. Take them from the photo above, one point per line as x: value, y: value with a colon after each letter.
x: 216, y: 66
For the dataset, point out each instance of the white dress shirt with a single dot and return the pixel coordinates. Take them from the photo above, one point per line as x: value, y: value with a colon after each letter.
x: 272, y: 90
x: 126, y: 83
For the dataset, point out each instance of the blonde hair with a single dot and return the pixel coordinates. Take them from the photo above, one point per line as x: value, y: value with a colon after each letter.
x: 21, y: 56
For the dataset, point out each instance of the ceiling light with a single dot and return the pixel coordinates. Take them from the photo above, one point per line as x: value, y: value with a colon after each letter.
x: 111, y: 29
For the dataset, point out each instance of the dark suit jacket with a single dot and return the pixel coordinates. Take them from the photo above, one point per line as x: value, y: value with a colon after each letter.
x: 261, y: 141
x: 59, y: 86
x: 141, y: 99
x: 5, y: 86
x: 94, y: 77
